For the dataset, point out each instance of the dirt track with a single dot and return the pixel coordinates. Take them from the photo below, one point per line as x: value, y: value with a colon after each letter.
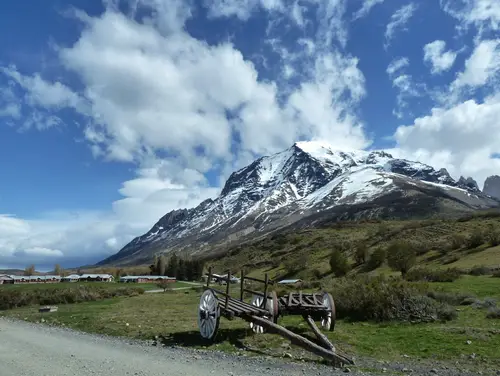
x: 36, y: 350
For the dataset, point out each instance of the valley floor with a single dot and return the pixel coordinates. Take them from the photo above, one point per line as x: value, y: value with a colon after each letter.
x: 466, y: 344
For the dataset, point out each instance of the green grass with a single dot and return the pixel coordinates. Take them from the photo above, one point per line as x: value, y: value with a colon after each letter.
x: 173, y: 316
x: 107, y: 285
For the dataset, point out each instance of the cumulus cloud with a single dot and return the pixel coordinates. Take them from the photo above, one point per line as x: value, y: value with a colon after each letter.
x: 463, y: 138
x: 436, y: 56
x: 398, y: 22
x: 178, y: 109
x: 482, y: 67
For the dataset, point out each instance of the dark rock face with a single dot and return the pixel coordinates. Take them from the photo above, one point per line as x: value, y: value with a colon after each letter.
x: 308, y: 183
x: 492, y: 186
x: 469, y: 184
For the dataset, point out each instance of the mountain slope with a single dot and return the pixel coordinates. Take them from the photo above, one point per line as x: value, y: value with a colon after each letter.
x: 307, y: 183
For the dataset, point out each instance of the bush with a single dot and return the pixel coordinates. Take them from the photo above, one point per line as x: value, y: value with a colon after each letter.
x: 493, y: 237
x: 361, y: 253
x: 493, y: 313
x: 13, y: 298
x: 452, y: 298
x: 480, y: 270
x: 475, y: 239
x: 427, y: 275
x: 496, y: 274
x: 384, y: 299
x: 457, y: 241
x: 401, y: 257
x: 339, y: 264
x: 450, y: 259
x: 486, y: 303
x: 377, y: 258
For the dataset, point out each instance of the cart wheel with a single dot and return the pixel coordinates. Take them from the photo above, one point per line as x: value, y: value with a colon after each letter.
x: 208, y: 315
x: 272, y: 308
x: 328, y: 320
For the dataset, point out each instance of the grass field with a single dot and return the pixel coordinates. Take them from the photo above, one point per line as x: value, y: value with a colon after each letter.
x: 173, y: 317
x: 107, y: 285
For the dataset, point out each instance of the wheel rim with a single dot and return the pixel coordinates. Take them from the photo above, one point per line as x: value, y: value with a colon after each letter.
x: 328, y: 319
x: 258, y: 301
x: 208, y: 315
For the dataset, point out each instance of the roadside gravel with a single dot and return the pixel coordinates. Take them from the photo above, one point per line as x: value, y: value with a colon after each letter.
x: 38, y: 350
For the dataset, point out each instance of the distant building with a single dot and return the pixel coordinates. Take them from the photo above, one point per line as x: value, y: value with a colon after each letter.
x: 6, y: 279
x: 146, y: 279
x: 96, y: 278
x: 71, y: 278
x: 290, y: 282
x: 23, y: 279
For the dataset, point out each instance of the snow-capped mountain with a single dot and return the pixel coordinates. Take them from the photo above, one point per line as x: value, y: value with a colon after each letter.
x: 307, y: 183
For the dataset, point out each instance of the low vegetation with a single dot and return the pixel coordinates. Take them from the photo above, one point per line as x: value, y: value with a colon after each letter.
x: 13, y: 298
x: 433, y: 275
x: 386, y: 299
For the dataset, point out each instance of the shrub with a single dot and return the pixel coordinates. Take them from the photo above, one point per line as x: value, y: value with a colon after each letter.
x: 427, y: 275
x: 493, y: 237
x: 475, y: 239
x: 457, y: 241
x: 377, y: 258
x: 401, y: 257
x: 13, y: 298
x: 384, y: 299
x: 361, y: 253
x: 452, y: 298
x: 480, y: 270
x: 450, y: 260
x: 486, y: 303
x: 496, y: 274
x: 493, y: 313
x: 339, y: 263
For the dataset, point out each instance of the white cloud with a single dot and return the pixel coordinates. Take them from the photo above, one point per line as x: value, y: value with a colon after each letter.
x: 397, y: 65
x: 398, y: 22
x: 482, y: 66
x: 439, y: 59
x: 366, y: 8
x: 484, y: 15
x: 241, y: 9
x: 462, y: 138
x: 404, y: 84
x: 151, y: 89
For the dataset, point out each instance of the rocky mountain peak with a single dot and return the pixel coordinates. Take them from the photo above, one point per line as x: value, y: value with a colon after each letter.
x: 492, y: 186
x: 468, y: 183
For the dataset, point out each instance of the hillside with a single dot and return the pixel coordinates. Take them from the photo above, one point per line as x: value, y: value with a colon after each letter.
x: 305, y: 254
x: 308, y: 185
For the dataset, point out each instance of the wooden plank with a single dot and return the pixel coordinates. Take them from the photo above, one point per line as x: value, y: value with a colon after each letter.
x: 321, y: 337
x: 301, y: 341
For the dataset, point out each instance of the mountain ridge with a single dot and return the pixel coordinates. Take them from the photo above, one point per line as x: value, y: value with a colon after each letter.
x: 308, y: 180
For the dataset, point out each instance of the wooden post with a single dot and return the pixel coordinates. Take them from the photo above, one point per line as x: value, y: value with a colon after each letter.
x: 227, y: 287
x: 241, y: 285
x: 301, y: 341
x: 266, y: 281
x: 321, y: 337
x: 209, y: 276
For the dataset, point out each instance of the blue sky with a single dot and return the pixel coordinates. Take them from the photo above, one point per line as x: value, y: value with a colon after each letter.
x: 114, y: 113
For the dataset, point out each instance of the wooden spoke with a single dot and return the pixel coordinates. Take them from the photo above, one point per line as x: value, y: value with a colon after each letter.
x: 328, y: 319
x: 271, y: 307
x: 208, y: 315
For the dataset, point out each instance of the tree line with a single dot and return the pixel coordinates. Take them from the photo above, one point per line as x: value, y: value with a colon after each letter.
x: 175, y: 266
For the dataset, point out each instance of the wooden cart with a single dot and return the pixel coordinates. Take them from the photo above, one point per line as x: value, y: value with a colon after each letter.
x: 263, y: 311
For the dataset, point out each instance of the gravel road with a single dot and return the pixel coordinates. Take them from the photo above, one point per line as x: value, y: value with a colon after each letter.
x: 28, y: 349
x: 37, y: 350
